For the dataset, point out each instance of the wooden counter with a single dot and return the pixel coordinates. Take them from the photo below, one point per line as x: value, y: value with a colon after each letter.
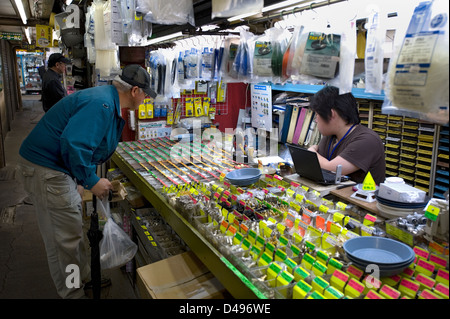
x: 345, y: 193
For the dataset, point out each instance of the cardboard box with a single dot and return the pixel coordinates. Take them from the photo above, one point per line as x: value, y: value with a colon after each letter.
x: 119, y: 192
x: 181, y: 276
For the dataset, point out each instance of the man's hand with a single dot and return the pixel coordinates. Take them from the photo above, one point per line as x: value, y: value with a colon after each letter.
x: 80, y: 190
x: 101, y: 189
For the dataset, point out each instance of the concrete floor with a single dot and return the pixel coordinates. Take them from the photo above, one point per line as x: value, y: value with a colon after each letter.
x: 24, y: 272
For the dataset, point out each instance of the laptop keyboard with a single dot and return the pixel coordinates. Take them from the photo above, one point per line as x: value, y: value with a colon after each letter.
x: 328, y: 176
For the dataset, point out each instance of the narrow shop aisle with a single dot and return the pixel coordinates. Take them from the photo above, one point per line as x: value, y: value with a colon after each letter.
x: 24, y: 272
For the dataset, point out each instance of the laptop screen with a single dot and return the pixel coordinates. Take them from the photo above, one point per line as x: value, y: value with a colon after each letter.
x: 306, y: 163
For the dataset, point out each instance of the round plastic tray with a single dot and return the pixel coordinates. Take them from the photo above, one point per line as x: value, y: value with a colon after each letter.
x: 243, y: 176
x: 379, y: 250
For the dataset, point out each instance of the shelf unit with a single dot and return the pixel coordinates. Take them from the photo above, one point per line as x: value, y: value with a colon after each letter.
x: 442, y: 165
x: 29, y: 64
x: 232, y: 279
x: 414, y: 148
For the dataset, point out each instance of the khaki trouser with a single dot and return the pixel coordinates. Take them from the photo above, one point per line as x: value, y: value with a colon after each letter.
x: 58, y: 210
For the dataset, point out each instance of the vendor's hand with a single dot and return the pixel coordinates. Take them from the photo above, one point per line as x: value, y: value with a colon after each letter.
x: 101, y: 189
x: 314, y: 148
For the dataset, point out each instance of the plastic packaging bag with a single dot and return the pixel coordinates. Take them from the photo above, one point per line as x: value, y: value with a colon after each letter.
x: 418, y: 73
x: 373, y: 58
x: 243, y: 64
x: 116, y: 247
x: 168, y: 11
x: 229, y: 8
x: 229, y: 49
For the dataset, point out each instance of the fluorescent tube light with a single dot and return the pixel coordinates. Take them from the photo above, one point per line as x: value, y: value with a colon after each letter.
x: 27, y: 34
x: 282, y: 4
x: 164, y: 38
x: 21, y: 9
x: 242, y: 16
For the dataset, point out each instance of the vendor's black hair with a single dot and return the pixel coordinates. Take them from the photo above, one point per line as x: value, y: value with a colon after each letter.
x: 329, y: 98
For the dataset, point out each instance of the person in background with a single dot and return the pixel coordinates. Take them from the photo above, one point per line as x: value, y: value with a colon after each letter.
x: 344, y: 141
x: 52, y: 87
x: 61, y: 154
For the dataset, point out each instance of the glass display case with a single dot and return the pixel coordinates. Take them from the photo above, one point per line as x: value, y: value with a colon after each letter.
x: 29, y: 63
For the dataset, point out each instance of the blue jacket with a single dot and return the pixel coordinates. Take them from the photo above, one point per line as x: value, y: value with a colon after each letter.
x: 77, y: 133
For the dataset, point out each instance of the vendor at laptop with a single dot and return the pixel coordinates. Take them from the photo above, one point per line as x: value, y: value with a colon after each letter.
x: 344, y: 141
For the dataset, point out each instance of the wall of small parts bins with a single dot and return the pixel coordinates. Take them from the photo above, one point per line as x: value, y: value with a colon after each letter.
x: 285, y: 238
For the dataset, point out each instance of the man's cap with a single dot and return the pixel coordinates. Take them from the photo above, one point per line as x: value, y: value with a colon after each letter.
x: 136, y: 75
x: 57, y: 57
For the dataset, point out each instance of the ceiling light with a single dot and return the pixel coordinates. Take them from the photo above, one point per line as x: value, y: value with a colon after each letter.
x: 164, y: 38
x: 68, y: 2
x: 242, y: 16
x: 282, y: 4
x: 27, y: 34
x: 21, y: 9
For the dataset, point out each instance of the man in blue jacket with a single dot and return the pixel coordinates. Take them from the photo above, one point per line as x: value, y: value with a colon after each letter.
x: 61, y: 154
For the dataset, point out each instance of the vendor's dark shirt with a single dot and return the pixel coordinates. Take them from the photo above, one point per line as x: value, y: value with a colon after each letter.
x: 52, y: 89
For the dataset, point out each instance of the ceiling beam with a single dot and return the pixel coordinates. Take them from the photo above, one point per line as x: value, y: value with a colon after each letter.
x: 4, y: 21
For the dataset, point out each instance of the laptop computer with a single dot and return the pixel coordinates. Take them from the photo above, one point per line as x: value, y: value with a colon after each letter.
x: 307, y: 165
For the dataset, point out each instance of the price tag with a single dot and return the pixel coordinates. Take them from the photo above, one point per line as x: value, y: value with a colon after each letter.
x: 323, y: 209
x: 301, y: 289
x: 369, y: 220
x: 231, y: 230
x: 409, y: 287
x: 432, y: 212
x: 355, y: 272
x: 389, y: 292
x: 265, y: 259
x: 297, y: 238
x: 252, y: 236
x: 295, y: 250
x: 320, y: 222
x: 272, y: 272
x: 319, y: 268
x: 339, y: 279
x: 280, y: 255
x: 246, y: 244
x: 294, y: 184
x: 421, y: 253
x: 237, y: 239
x: 295, y: 206
x: 441, y: 290
x: 290, y: 192
x: 300, y: 273
x: 438, y: 261
x: 373, y: 295
x: 354, y: 288
x: 278, y: 178
x: 308, y: 261
x: 442, y: 276
x: 333, y: 264
x: 260, y: 241
x: 290, y: 264
x: 319, y: 284
x: 255, y: 252
x: 223, y: 226
x: 425, y: 281
x: 425, y: 267
x: 333, y: 293
x: 341, y: 205
x: 284, y: 279
x: 299, y: 198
